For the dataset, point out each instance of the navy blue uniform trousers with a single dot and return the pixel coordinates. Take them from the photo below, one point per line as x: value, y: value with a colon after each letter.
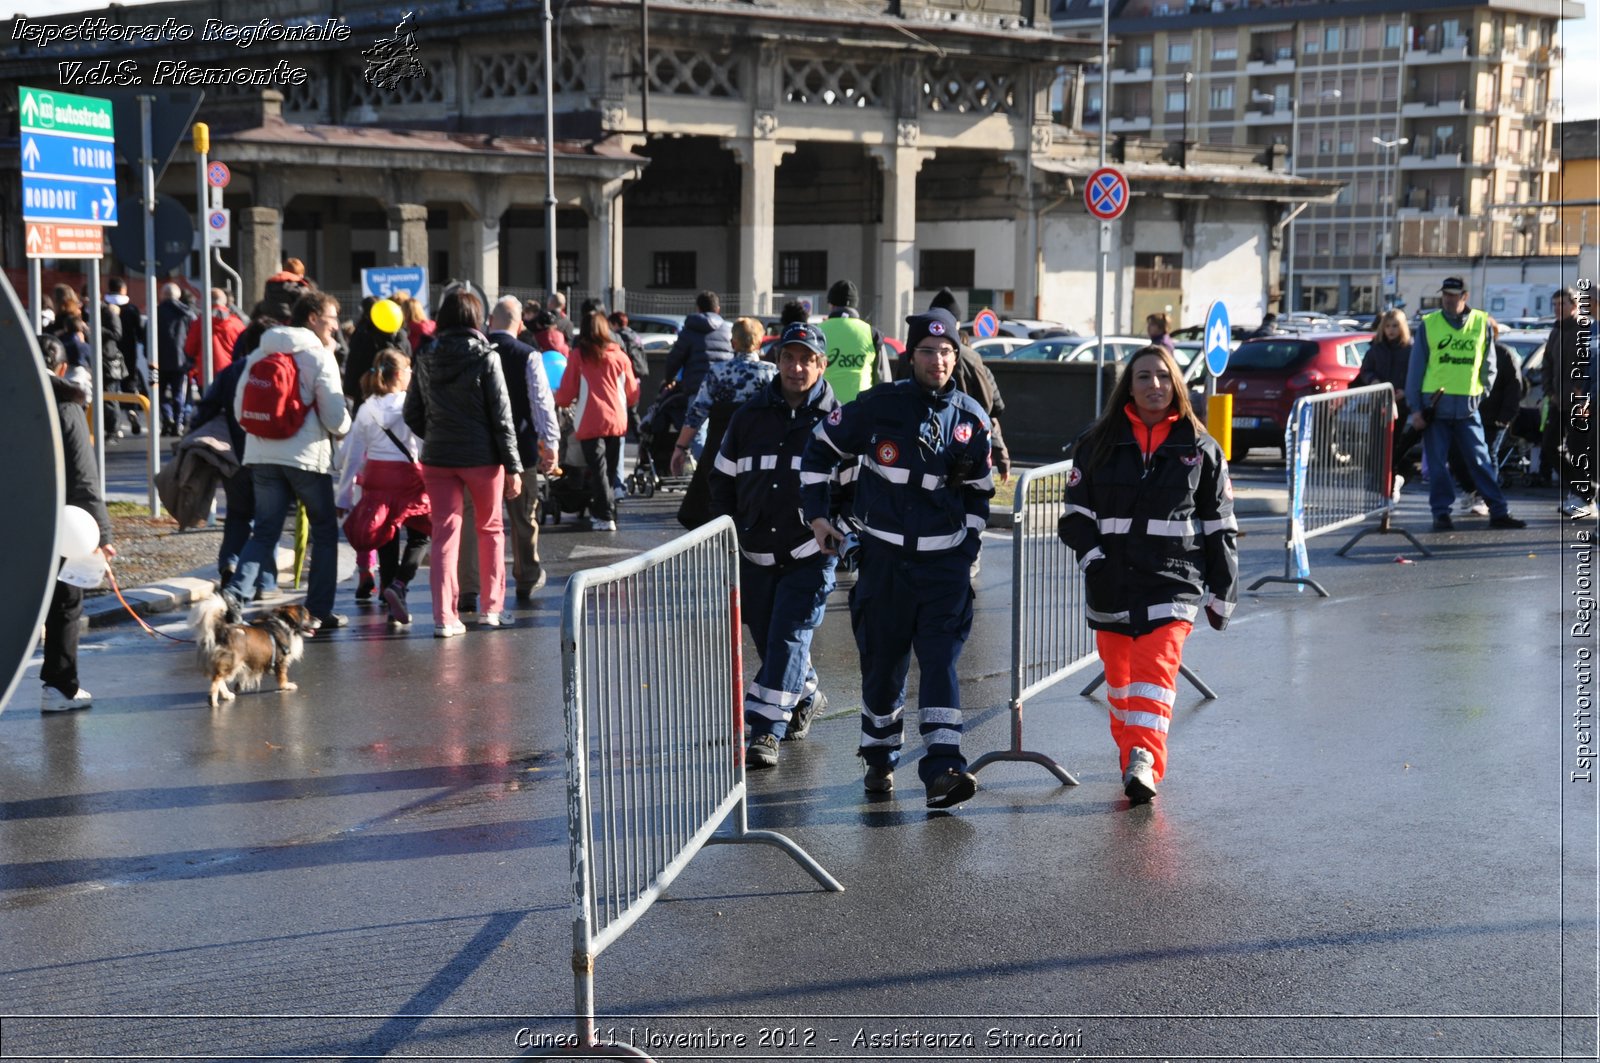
x: 783, y: 607
x: 903, y: 603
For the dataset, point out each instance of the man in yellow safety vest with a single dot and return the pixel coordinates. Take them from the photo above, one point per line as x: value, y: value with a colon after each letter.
x: 856, y: 360
x: 1451, y: 370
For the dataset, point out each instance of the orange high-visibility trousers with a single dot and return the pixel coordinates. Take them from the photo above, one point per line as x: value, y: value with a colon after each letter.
x: 1142, y: 684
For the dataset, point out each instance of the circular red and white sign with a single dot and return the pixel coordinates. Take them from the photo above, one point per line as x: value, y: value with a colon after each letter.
x: 963, y: 432
x: 1106, y: 193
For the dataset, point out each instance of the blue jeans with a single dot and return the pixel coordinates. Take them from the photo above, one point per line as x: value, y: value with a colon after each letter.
x: 783, y: 607
x: 240, y: 492
x: 900, y: 603
x: 1467, y: 434
x: 276, y: 488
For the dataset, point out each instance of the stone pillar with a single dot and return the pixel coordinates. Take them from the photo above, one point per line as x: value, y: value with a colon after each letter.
x: 336, y: 271
x: 758, y: 157
x: 602, y: 277
x: 410, y: 221
x: 897, y: 267
x: 477, y: 250
x: 260, y: 249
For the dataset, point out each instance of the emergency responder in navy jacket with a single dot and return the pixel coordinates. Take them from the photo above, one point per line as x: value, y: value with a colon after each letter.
x: 921, y: 501
x: 1149, y: 513
x: 784, y: 577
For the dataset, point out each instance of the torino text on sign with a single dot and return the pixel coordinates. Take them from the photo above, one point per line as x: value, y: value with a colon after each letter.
x: 68, y: 158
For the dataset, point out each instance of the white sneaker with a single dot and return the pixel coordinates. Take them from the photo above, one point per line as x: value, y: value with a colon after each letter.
x: 497, y: 620
x: 603, y: 525
x: 1472, y: 505
x: 1139, y: 781
x: 1399, y: 482
x: 52, y: 700
x: 1573, y: 506
x: 449, y: 631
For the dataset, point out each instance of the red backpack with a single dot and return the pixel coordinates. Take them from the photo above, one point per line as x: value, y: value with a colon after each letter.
x: 272, y: 407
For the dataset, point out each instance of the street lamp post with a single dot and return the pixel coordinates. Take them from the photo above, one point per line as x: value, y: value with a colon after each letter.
x: 1391, y: 149
x: 1188, y: 79
x: 1291, y: 296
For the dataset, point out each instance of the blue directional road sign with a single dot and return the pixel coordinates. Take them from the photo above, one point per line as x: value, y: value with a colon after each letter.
x: 68, y: 158
x: 381, y: 282
x: 1219, y: 338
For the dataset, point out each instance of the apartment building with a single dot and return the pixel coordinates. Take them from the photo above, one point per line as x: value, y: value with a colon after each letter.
x: 1435, y: 117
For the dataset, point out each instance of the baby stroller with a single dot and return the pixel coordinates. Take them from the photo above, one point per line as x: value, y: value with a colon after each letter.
x: 567, y: 489
x: 659, y: 426
x: 1511, y: 450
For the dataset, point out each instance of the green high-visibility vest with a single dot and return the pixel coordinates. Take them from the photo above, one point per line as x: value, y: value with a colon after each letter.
x: 852, y: 360
x: 1455, y: 355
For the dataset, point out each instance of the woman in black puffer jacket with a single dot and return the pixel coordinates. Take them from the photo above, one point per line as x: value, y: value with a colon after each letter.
x: 1386, y: 362
x: 459, y: 405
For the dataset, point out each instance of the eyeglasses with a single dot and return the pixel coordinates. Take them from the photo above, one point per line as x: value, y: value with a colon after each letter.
x: 942, y: 351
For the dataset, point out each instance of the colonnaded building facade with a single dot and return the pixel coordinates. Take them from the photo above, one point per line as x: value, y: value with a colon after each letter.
x: 759, y: 149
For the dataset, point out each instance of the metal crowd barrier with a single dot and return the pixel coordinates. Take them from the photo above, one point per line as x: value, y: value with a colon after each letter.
x: 1338, y: 447
x: 1050, y: 639
x: 1050, y: 634
x: 651, y: 655
x: 122, y: 398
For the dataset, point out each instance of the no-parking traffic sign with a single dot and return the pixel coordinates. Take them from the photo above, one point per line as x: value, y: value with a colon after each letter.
x: 1106, y: 193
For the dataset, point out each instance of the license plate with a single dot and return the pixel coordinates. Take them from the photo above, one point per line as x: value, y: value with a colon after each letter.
x: 1247, y: 422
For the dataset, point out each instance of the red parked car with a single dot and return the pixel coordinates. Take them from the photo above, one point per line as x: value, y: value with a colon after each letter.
x: 1266, y: 376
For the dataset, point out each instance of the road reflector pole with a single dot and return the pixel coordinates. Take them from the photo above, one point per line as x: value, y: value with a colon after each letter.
x: 650, y: 653
x: 1219, y: 421
x: 1337, y: 449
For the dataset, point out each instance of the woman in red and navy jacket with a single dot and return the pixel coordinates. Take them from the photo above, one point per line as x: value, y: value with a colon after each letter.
x: 1150, y: 516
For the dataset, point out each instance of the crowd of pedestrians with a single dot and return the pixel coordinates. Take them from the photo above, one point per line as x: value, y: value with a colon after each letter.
x: 426, y: 437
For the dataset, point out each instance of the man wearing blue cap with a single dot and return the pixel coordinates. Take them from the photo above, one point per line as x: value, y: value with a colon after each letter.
x: 921, y: 501
x: 784, y: 576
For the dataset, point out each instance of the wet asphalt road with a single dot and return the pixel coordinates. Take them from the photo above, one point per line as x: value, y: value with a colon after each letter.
x: 1368, y: 847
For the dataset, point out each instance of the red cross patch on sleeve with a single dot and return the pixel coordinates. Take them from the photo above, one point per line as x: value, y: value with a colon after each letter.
x: 963, y: 432
x: 837, y: 415
x: 1075, y: 477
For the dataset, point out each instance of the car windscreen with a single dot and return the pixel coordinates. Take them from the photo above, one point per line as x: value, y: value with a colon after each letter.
x: 1271, y: 354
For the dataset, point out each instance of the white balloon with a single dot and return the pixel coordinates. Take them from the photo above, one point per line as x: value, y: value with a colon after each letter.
x: 79, y: 534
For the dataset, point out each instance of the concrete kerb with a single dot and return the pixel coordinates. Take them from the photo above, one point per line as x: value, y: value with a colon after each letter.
x: 181, y: 592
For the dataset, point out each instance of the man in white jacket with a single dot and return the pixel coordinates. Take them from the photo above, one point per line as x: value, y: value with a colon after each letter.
x: 301, y: 466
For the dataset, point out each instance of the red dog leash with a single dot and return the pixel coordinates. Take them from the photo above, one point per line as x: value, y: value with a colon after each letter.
x: 118, y: 592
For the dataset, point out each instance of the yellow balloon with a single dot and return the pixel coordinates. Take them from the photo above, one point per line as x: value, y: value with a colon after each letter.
x: 386, y: 315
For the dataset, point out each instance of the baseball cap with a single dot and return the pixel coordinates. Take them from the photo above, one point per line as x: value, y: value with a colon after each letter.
x: 806, y: 335
x: 1453, y: 284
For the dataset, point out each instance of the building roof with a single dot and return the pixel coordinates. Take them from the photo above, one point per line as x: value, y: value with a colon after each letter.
x: 1200, y: 180
x: 1149, y: 16
x: 1579, y: 139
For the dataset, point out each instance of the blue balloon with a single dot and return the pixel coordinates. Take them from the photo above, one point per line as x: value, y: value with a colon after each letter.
x: 555, y: 365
